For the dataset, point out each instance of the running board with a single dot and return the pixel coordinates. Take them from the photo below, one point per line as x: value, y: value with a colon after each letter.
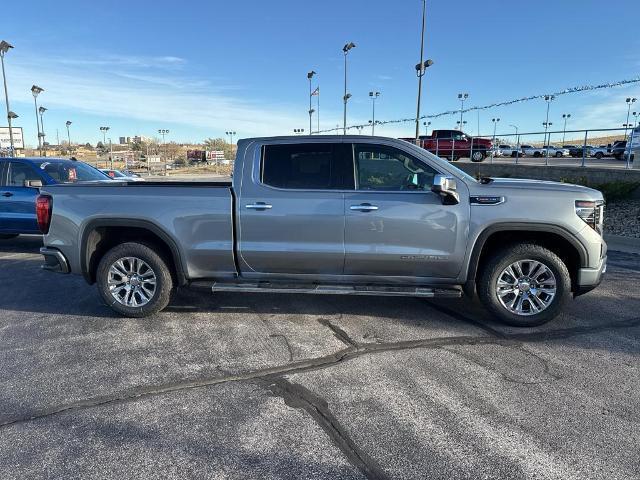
x: 378, y: 290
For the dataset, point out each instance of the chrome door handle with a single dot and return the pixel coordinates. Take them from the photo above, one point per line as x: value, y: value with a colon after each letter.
x: 258, y: 206
x: 365, y: 207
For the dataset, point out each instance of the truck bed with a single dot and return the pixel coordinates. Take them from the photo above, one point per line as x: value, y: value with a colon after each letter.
x: 197, y: 218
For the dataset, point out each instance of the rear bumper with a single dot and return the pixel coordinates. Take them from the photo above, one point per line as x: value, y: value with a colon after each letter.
x: 590, y: 278
x: 54, y: 260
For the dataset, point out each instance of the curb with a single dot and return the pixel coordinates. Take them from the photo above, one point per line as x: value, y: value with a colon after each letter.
x: 622, y: 244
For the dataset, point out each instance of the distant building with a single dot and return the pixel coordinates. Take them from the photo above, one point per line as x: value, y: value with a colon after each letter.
x: 123, y: 141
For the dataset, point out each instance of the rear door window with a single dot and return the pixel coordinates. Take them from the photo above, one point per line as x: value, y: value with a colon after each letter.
x: 19, y: 173
x: 307, y: 166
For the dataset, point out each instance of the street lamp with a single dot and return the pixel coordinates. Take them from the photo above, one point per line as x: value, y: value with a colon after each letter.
x: 548, y: 99
x: 347, y: 96
x: 104, y: 131
x: 41, y: 111
x: 36, y: 90
x: 311, y: 110
x: 462, y: 97
x: 231, y: 133
x: 635, y: 117
x: 461, y: 126
x: 517, y: 141
x: 630, y: 101
x: 565, y: 116
x: 495, y: 124
x: 373, y: 96
x: 163, y: 132
x: 68, y: 124
x: 4, y: 48
x: 298, y: 131
x: 426, y: 127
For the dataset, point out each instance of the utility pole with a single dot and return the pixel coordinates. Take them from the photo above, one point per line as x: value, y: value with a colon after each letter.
x: 310, y: 76
x: 421, y: 69
x: 36, y: 90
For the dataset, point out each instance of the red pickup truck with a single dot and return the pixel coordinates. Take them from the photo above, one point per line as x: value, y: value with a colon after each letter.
x: 454, y: 144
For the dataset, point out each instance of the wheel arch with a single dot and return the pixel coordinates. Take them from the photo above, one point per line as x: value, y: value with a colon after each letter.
x: 556, y: 238
x: 100, y: 235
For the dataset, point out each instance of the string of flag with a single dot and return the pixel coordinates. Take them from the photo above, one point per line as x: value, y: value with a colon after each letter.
x: 581, y: 88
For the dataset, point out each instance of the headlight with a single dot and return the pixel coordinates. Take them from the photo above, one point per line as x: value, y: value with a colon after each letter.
x: 591, y: 212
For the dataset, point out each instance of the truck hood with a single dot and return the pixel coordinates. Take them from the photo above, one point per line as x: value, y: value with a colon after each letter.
x: 524, y: 184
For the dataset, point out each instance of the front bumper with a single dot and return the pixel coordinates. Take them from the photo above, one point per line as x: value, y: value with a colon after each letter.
x: 590, y: 278
x: 54, y: 260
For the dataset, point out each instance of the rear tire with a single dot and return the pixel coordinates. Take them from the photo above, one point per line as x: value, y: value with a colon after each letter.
x: 536, y: 296
x: 558, y: 154
x: 478, y: 156
x: 134, y: 280
x: 599, y: 155
x: 537, y: 154
x: 8, y: 236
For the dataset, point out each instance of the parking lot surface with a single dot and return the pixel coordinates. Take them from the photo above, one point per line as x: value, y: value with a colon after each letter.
x: 282, y: 386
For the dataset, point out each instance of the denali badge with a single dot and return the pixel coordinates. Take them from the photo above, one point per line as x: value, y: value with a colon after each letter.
x: 486, y: 200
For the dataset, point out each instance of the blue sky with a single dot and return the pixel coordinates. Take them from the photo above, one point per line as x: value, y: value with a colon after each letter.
x: 199, y: 68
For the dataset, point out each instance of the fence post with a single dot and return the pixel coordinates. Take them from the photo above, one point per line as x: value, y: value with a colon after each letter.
x: 584, y: 149
x: 629, y: 142
x: 471, y: 150
x: 453, y: 148
x: 517, y: 148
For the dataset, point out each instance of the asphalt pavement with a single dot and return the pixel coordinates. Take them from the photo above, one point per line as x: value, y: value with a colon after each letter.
x: 283, y: 386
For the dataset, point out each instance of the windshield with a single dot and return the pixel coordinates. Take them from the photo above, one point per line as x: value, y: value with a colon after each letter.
x: 67, y: 171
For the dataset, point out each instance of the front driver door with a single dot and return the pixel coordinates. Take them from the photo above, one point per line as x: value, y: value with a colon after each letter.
x: 395, y: 226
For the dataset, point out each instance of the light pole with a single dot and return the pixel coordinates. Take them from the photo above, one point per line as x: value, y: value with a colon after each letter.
x: 41, y: 110
x: 421, y: 69
x: 104, y: 131
x: 298, y: 131
x: 495, y: 124
x: 311, y: 110
x: 548, y: 99
x: 231, y: 133
x: 462, y: 97
x: 635, y: 117
x: 4, y: 48
x: 36, y: 90
x: 565, y: 116
x: 347, y: 96
x: 373, y: 96
x: 461, y: 126
x: 68, y: 124
x: 426, y: 127
x: 630, y: 101
x: 517, y: 141
x: 163, y: 132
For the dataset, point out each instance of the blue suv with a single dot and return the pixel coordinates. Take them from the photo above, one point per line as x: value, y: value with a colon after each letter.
x: 20, y: 181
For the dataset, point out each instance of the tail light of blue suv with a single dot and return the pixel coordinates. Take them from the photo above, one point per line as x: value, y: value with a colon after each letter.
x: 592, y: 213
x: 44, y: 204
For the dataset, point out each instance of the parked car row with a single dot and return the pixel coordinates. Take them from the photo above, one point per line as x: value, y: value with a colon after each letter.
x: 616, y: 150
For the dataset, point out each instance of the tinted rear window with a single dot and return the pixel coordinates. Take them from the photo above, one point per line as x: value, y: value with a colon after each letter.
x: 67, y: 171
x: 307, y: 166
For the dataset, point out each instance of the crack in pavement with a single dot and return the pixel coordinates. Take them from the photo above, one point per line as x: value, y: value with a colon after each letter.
x: 297, y: 396
x: 319, y: 363
x: 339, y: 333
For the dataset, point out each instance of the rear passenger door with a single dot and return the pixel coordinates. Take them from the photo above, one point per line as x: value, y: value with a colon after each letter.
x: 291, y: 209
x: 18, y: 202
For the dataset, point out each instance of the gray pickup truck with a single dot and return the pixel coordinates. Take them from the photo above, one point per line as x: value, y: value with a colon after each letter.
x: 332, y: 215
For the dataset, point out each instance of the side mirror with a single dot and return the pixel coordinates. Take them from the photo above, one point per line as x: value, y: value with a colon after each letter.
x: 33, y: 183
x: 445, y: 186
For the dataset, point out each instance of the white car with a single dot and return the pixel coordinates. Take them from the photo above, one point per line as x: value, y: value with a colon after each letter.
x: 507, y: 150
x: 555, y: 151
x: 531, y: 151
x: 600, y: 151
x: 122, y: 175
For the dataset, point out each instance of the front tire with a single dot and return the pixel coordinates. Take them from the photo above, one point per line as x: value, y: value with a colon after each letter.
x: 558, y: 154
x: 599, y: 155
x: 524, y: 285
x: 134, y: 280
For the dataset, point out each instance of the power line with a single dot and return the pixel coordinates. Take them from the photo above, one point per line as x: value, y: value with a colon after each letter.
x: 581, y: 88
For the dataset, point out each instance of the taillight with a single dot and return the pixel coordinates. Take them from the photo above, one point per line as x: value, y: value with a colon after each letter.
x: 43, y: 212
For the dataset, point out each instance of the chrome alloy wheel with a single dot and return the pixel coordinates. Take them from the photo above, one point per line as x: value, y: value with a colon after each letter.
x: 132, y: 282
x: 526, y: 287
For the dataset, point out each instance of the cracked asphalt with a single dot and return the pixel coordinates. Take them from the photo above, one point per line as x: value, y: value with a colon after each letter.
x: 282, y: 386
